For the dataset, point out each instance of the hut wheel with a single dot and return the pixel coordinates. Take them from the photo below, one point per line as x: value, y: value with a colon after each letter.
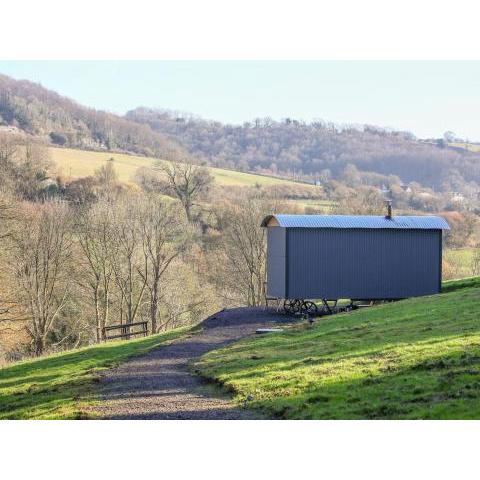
x: 310, y: 308
x: 292, y: 306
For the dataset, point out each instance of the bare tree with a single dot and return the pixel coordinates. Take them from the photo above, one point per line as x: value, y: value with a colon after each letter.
x: 185, y: 296
x: 165, y: 235
x: 365, y: 201
x: 40, y: 254
x: 187, y: 182
x: 463, y: 226
x: 95, y: 236
x: 24, y: 164
x: 244, y: 249
x: 106, y: 175
x: 107, y: 179
x: 9, y: 147
x: 8, y: 214
x: 129, y: 264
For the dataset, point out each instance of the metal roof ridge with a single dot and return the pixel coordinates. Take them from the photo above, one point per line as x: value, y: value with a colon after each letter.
x: 422, y: 222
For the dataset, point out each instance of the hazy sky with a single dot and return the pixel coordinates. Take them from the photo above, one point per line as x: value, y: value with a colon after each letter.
x: 426, y: 98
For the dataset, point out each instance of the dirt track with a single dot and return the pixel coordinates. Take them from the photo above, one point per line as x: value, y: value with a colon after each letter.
x: 160, y: 385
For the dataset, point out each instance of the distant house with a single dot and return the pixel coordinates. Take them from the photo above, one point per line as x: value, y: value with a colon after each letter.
x: 425, y: 195
x: 385, y: 191
x: 457, y: 197
x: 9, y: 129
x: 48, y: 183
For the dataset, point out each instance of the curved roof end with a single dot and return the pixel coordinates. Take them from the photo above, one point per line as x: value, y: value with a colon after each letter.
x: 267, y: 219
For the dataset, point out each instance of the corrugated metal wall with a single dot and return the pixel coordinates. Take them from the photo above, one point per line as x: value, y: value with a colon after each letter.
x: 276, y: 250
x: 362, y: 263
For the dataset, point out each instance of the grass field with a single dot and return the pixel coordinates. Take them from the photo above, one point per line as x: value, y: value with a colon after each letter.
x: 81, y: 163
x: 325, y: 206
x: 473, y: 147
x: 460, y: 261
x: 61, y: 386
x: 418, y: 358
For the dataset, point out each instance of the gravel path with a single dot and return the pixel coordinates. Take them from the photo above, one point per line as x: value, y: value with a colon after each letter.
x: 160, y: 385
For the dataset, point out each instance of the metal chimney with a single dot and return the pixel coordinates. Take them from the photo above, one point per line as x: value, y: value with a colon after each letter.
x: 388, y: 203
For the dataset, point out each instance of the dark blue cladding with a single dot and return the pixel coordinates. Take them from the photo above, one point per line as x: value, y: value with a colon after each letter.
x: 369, y: 262
x: 276, y: 262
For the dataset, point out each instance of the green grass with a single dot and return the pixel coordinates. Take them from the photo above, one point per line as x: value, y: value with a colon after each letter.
x: 81, y: 163
x: 61, y: 386
x: 452, y: 285
x: 414, y: 359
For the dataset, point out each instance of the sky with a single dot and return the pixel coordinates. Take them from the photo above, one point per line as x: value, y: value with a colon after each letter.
x: 426, y: 98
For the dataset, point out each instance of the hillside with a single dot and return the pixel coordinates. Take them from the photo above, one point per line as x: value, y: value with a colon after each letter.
x: 314, y: 150
x: 291, y: 148
x: 61, y: 386
x: 81, y: 163
x: 418, y: 358
x: 41, y: 112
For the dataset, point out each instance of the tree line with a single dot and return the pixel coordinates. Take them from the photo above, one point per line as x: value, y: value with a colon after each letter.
x: 318, y: 150
x: 74, y: 260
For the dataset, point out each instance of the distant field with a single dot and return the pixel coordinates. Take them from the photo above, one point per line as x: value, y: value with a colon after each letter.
x: 81, y: 163
x: 473, y: 147
x: 323, y: 205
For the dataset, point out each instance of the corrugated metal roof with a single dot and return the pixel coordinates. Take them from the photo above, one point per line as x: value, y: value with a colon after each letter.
x: 426, y: 222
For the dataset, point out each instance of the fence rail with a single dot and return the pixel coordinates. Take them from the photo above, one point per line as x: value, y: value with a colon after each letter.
x: 125, y: 329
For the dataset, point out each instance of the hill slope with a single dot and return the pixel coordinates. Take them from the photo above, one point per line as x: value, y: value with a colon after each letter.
x: 42, y: 112
x: 418, y: 358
